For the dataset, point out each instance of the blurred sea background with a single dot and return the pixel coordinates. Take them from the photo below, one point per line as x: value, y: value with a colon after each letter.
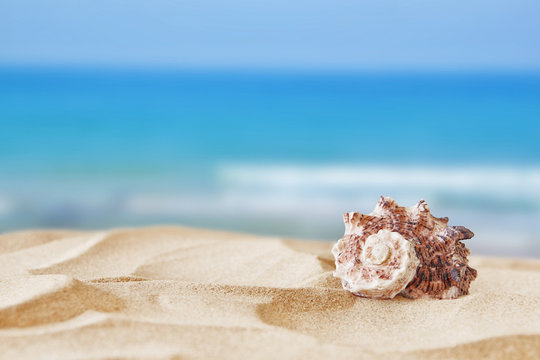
x: 276, y: 135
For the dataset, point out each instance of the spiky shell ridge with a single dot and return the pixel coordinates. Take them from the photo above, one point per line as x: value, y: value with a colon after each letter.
x: 442, y: 270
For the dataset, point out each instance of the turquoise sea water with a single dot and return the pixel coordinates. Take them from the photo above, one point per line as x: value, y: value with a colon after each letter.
x: 278, y: 153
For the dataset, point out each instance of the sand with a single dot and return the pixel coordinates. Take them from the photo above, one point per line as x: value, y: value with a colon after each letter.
x: 181, y: 293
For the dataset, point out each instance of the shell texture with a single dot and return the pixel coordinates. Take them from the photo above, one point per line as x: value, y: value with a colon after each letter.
x: 403, y: 250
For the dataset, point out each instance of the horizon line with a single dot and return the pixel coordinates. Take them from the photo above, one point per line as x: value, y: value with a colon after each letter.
x: 117, y: 67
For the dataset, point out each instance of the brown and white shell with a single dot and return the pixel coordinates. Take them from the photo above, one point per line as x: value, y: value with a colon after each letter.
x: 403, y: 250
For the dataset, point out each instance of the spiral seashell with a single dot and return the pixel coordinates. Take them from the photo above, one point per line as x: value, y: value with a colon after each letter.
x: 403, y: 250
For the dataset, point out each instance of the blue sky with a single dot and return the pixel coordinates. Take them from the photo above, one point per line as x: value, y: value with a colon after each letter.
x: 279, y: 33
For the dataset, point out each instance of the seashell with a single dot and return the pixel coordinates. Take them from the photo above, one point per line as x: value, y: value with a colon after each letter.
x: 403, y: 250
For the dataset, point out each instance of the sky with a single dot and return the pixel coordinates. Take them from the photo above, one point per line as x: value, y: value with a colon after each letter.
x: 343, y: 34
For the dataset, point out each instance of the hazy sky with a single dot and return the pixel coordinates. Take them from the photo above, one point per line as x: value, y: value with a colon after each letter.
x: 274, y: 33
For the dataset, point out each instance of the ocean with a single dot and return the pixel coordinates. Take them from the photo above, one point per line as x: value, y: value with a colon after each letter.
x: 280, y: 153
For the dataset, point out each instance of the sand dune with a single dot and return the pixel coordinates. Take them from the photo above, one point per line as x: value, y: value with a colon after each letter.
x: 171, y: 292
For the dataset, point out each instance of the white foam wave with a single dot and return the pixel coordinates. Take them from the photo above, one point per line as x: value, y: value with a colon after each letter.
x: 286, y: 189
x: 470, y: 178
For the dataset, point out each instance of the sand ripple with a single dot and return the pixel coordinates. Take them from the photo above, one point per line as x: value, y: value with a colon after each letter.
x: 169, y: 292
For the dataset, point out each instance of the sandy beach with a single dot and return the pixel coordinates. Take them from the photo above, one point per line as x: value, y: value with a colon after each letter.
x: 182, y: 293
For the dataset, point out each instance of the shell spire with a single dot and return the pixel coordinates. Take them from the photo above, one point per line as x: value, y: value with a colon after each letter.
x: 403, y: 250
